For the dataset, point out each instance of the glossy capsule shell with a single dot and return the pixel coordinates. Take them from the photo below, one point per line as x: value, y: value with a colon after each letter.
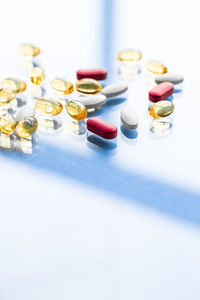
x: 98, y: 74
x: 6, y: 97
x: 161, y: 109
x: 88, y: 86
x: 7, y: 124
x: 49, y: 107
x: 156, y: 67
x: 37, y: 75
x: 63, y: 86
x: 14, y: 84
x: 161, y: 91
x: 27, y: 127
x: 29, y: 50
x: 102, y: 128
x: 76, y: 110
x: 130, y: 55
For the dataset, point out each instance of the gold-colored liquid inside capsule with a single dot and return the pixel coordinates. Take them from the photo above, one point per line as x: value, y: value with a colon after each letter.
x: 88, y: 86
x: 130, y: 55
x: 26, y: 127
x: 161, y: 109
x: 29, y: 50
x: 156, y: 67
x: 14, y: 85
x: 6, y: 97
x: 49, y: 107
x: 76, y: 110
x: 60, y: 85
x: 37, y: 75
x: 7, y: 124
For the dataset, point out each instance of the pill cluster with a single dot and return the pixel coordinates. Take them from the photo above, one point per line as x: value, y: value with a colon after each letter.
x: 90, y: 97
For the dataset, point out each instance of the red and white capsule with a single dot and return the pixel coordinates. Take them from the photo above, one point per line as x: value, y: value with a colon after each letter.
x: 98, y: 74
x: 161, y: 91
x: 102, y: 128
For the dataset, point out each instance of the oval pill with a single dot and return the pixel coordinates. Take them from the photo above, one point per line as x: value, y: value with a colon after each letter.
x: 170, y: 77
x: 92, y: 101
x: 161, y: 109
x: 27, y: 111
x: 156, y: 67
x: 102, y: 128
x: 114, y: 89
x: 130, y: 55
x: 14, y: 84
x: 37, y: 75
x: 49, y: 107
x: 26, y: 127
x: 88, y: 86
x: 6, y: 97
x: 29, y: 50
x: 7, y: 124
x: 63, y: 86
x: 76, y: 110
x: 129, y: 118
x: 98, y: 74
x: 161, y: 91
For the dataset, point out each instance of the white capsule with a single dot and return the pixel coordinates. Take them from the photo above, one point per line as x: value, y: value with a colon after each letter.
x: 93, y: 101
x: 27, y: 111
x: 169, y: 77
x: 114, y: 89
x: 129, y: 118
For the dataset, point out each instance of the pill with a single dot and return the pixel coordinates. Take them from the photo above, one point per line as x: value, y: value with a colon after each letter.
x: 49, y: 107
x: 130, y: 55
x: 76, y: 110
x: 14, y: 84
x: 27, y: 111
x: 37, y: 75
x: 129, y: 118
x: 92, y: 101
x: 156, y: 67
x: 161, y: 109
x: 7, y: 124
x: 114, y: 89
x: 161, y: 91
x: 173, y: 78
x: 98, y: 74
x: 63, y: 86
x: 6, y: 97
x: 26, y: 127
x: 29, y: 50
x: 88, y: 86
x: 102, y: 128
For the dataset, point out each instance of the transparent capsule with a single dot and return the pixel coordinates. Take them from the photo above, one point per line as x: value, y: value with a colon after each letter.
x: 49, y: 107
x: 76, y: 110
x: 26, y: 127
x: 7, y: 124
x: 161, y: 127
x: 161, y: 109
x: 156, y: 67
x: 63, y: 86
x: 14, y: 84
x: 37, y: 75
x: 6, y: 97
x: 88, y: 86
x: 7, y: 142
x: 29, y: 50
x: 130, y: 55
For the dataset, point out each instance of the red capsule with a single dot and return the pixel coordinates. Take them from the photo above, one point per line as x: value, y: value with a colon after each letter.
x: 102, y: 128
x: 161, y: 91
x: 98, y: 74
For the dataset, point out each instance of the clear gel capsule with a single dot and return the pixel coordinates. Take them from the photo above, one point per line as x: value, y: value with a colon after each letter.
x: 130, y: 55
x: 63, y: 86
x: 37, y: 75
x: 76, y: 110
x: 26, y: 127
x: 29, y: 50
x: 7, y: 124
x: 6, y: 97
x: 49, y: 107
x: 14, y: 84
x: 156, y: 67
x: 161, y: 109
x: 88, y: 86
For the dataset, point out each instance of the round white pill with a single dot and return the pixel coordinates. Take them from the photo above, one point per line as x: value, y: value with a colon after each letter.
x: 129, y: 118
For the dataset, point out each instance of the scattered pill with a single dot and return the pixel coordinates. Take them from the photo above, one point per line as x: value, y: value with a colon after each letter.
x: 114, y: 89
x: 161, y: 91
x: 92, y: 101
x: 88, y: 86
x: 6, y: 97
x: 49, y: 107
x: 76, y: 110
x: 161, y: 109
x: 102, y: 128
x: 173, y: 78
x: 27, y: 111
x: 29, y: 50
x: 37, y: 75
x: 26, y: 127
x: 63, y: 86
x: 129, y: 118
x: 156, y: 67
x: 98, y: 74
x: 130, y: 55
x: 7, y: 124
x: 14, y: 84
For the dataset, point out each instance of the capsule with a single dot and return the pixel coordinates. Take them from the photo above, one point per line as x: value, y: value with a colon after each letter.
x: 88, y: 86
x: 98, y: 74
x: 76, y: 110
x: 14, y: 84
x: 114, y: 89
x: 129, y: 118
x: 130, y: 55
x: 171, y: 77
x: 49, y: 107
x: 26, y: 127
x: 6, y: 97
x: 29, y: 50
x: 92, y: 101
x: 102, y: 128
x: 37, y: 75
x: 63, y: 86
x: 161, y: 109
x: 156, y: 67
x: 7, y: 124
x: 161, y: 91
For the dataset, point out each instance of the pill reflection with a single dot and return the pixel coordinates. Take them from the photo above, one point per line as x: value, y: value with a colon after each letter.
x: 27, y: 146
x: 98, y: 144
x: 129, y: 71
x: 77, y: 128
x: 49, y: 125
x: 7, y: 142
x: 128, y: 136
x: 161, y: 128
x: 38, y: 92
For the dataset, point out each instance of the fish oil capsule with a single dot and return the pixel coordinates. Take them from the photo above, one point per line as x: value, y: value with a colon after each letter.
x: 49, y: 107
x: 88, y: 86
x: 6, y: 97
x: 14, y: 84
x: 26, y: 127
x: 130, y: 55
x: 156, y: 67
x: 161, y: 109
x: 37, y: 75
x: 29, y: 50
x: 63, y: 86
x: 76, y: 110
x: 7, y: 124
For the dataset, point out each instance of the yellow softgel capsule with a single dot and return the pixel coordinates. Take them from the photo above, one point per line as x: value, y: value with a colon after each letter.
x: 161, y: 109
x: 7, y: 124
x: 27, y: 127
x: 49, y: 107
x: 88, y: 86
x: 76, y: 110
x: 14, y: 84
x: 6, y: 97
x: 130, y: 55
x: 156, y: 67
x: 37, y: 75
x: 63, y: 86
x: 29, y: 50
